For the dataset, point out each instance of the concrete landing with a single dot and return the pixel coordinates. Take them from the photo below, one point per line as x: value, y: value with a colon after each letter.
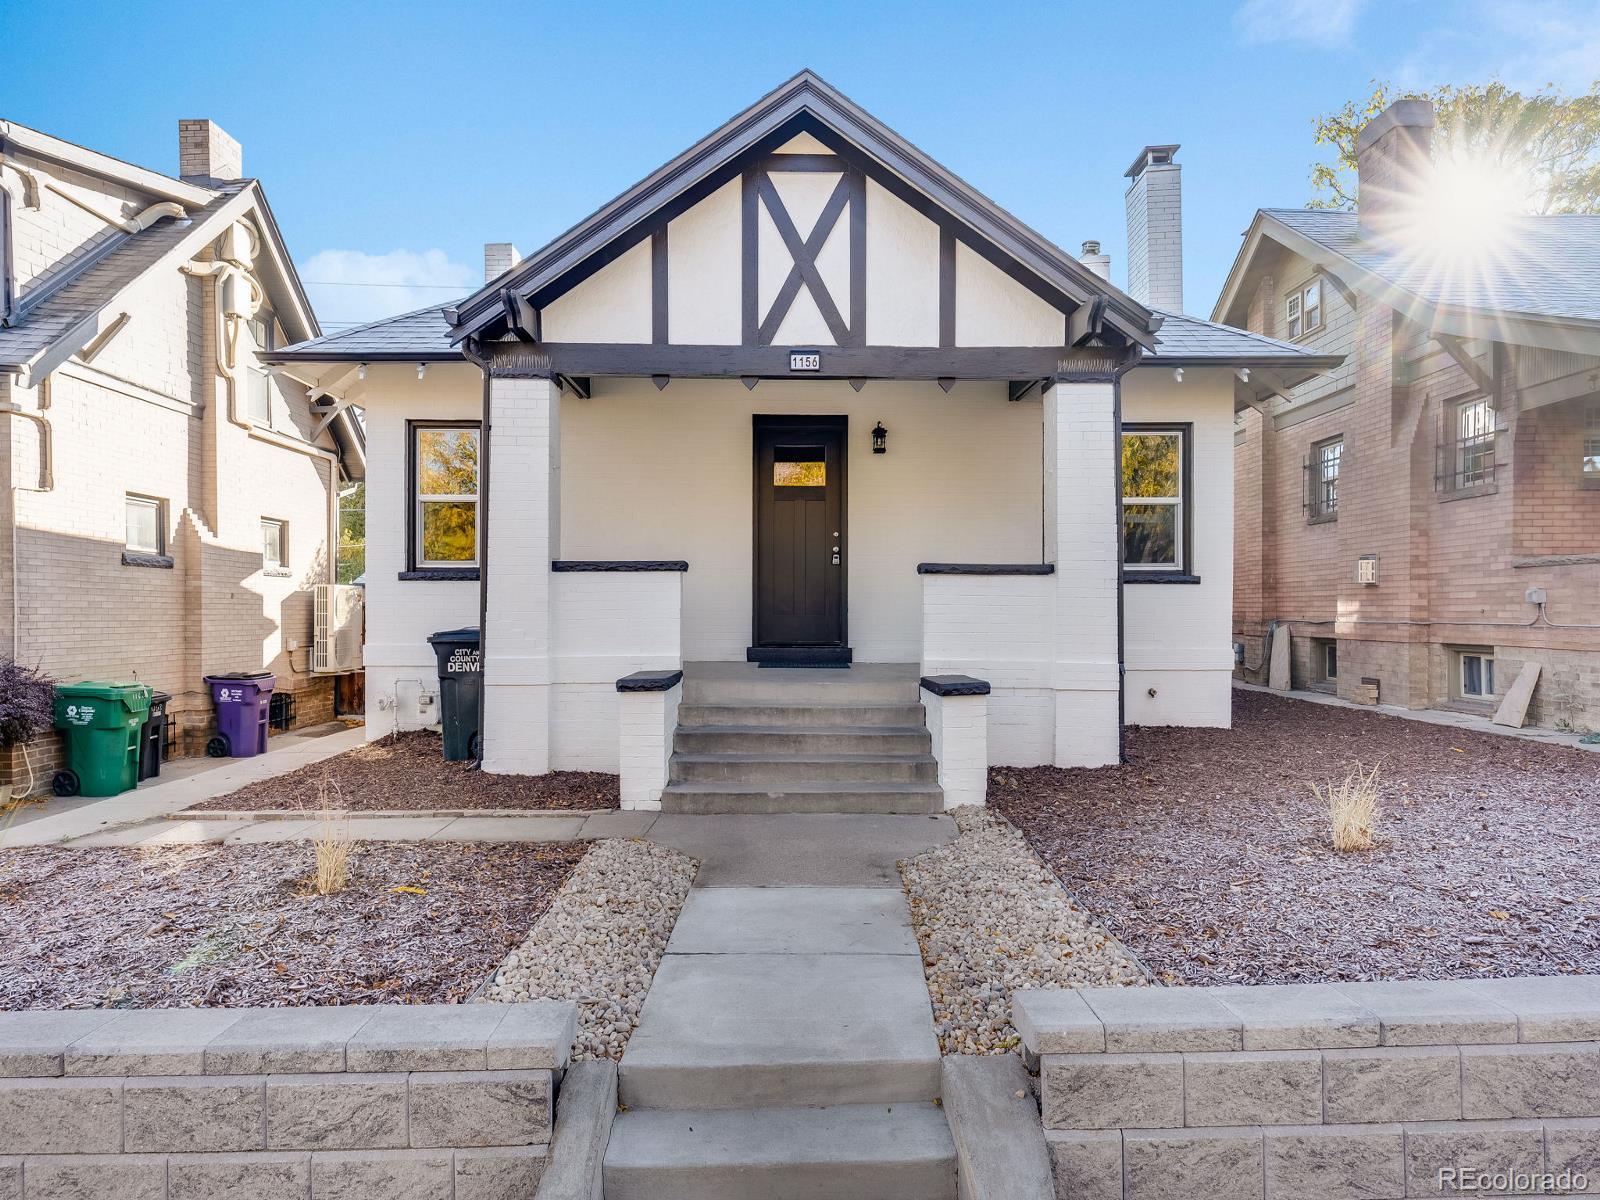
x: 793, y: 921
x: 801, y: 849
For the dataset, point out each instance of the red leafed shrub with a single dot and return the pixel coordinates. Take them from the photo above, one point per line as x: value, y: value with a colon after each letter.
x: 26, y: 702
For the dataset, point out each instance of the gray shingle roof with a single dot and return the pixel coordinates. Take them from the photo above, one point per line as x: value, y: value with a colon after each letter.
x: 1187, y: 337
x: 1549, y: 267
x: 423, y: 334
x: 93, y: 282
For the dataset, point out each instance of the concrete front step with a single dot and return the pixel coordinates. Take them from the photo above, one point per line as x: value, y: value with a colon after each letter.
x: 706, y: 798
x: 803, y: 686
x: 780, y: 770
x: 803, y: 740
x: 692, y: 716
x: 736, y: 1031
x: 847, y: 1152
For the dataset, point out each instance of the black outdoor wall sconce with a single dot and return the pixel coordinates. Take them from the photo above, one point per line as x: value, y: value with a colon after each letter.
x: 880, y: 439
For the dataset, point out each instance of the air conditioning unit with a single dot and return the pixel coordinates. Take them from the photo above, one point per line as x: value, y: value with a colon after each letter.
x: 337, y: 645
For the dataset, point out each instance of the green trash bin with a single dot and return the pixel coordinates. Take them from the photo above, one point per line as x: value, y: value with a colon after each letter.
x: 103, y: 723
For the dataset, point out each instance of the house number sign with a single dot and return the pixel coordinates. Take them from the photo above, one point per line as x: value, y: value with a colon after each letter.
x: 805, y: 360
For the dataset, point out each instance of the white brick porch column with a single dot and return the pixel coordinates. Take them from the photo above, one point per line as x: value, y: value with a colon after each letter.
x: 1081, y: 532
x: 524, y: 531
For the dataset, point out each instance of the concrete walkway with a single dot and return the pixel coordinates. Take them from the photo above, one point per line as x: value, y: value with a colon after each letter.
x: 787, y: 1046
x: 152, y: 801
x: 1434, y: 716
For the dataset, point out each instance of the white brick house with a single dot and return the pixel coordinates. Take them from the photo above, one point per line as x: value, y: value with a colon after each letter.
x: 165, y: 504
x: 801, y: 396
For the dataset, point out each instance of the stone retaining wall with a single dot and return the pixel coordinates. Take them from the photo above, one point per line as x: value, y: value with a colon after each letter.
x: 1320, y: 1091
x: 429, y: 1101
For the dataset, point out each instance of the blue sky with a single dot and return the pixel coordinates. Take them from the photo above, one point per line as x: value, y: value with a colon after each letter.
x: 394, y: 139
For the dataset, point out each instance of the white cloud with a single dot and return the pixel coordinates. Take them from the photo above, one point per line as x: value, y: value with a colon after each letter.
x: 349, y: 286
x: 1323, y: 23
x: 1526, y: 44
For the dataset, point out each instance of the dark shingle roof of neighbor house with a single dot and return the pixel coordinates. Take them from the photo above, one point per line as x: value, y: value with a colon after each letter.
x: 1550, y: 265
x: 1191, y: 338
x: 423, y: 334
x: 84, y: 286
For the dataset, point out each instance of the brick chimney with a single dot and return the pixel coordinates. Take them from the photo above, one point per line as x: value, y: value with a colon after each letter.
x: 206, y: 152
x: 1155, y: 229
x: 1097, y: 262
x: 1394, y: 155
x: 498, y: 258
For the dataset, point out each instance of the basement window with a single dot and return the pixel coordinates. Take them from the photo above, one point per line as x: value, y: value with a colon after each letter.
x: 1324, y: 663
x: 1591, y: 445
x: 1473, y: 674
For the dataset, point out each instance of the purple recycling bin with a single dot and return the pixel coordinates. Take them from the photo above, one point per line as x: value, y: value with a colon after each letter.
x: 242, y: 701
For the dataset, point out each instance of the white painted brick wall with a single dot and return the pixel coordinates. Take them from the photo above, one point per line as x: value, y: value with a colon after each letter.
x: 646, y: 721
x: 959, y: 727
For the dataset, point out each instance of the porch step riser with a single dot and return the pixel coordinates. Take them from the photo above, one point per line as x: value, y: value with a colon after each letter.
x: 757, y: 802
x: 801, y: 715
x: 786, y: 690
x: 774, y: 773
x: 879, y: 1153
x: 778, y: 1084
x: 777, y: 740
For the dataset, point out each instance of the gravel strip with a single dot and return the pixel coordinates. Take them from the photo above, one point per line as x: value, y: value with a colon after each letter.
x: 1207, y: 855
x: 601, y: 941
x: 991, y: 920
x: 408, y: 772
x: 235, y: 926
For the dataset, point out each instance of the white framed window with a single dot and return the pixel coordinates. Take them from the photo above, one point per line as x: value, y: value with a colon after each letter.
x: 1325, y: 660
x: 1474, y: 430
x: 1155, y: 464
x: 274, y: 544
x: 257, y: 396
x: 1474, y: 674
x: 1327, y: 458
x: 1302, y: 310
x: 1591, y: 444
x: 444, y: 485
x: 145, y: 527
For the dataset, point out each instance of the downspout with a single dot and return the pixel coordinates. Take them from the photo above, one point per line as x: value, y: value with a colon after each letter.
x: 470, y: 349
x: 227, y: 328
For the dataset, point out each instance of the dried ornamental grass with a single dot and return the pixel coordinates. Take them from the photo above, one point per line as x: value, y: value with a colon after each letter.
x: 1352, y: 807
x: 332, y: 843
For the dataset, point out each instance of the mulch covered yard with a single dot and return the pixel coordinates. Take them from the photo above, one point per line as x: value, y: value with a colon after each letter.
x: 236, y: 926
x: 1208, y: 856
x: 409, y: 771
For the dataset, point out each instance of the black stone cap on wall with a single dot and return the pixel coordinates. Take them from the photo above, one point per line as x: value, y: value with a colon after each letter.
x: 608, y: 564
x: 650, y: 681
x: 955, y: 685
x: 986, y: 568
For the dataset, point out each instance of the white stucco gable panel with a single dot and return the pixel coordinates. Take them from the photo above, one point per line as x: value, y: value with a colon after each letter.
x: 803, y: 324
x: 803, y: 143
x: 992, y: 309
x: 703, y: 272
x: 612, y: 305
x: 902, y: 272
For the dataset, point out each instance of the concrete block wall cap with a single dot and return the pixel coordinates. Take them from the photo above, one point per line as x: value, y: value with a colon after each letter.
x: 439, y: 1037
x: 1298, y: 1016
x: 650, y: 681
x: 158, y: 1041
x: 955, y: 685
x: 32, y: 1043
x: 534, y: 1035
x: 1548, y: 1008
x: 285, y: 1041
x: 1162, y: 1019
x: 1056, y: 1021
x: 1433, y: 1012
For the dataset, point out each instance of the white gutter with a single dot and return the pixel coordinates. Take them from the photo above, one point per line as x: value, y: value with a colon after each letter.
x: 92, y: 162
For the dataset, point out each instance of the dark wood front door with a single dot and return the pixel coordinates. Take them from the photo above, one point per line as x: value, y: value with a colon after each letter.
x: 800, y: 547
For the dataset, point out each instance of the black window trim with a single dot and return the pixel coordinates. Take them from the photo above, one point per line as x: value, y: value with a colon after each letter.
x: 1184, y: 571
x: 415, y: 571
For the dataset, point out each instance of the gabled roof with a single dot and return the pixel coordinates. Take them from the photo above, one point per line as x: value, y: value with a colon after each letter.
x: 1544, y: 286
x: 1184, y: 340
x: 804, y: 103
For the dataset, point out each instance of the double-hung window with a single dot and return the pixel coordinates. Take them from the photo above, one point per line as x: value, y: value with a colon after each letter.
x: 1327, y: 457
x: 445, y: 496
x: 1155, y: 465
x: 1302, y: 310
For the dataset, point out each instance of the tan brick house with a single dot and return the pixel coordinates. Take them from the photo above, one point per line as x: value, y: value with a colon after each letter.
x: 1426, y: 516
x: 166, y: 504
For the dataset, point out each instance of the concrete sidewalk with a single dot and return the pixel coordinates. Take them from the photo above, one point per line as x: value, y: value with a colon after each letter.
x: 155, y: 800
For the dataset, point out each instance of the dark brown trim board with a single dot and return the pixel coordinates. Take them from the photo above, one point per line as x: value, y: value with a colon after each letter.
x: 933, y: 568
x: 658, y: 287
x: 573, y: 565
x: 650, y: 681
x: 947, y: 286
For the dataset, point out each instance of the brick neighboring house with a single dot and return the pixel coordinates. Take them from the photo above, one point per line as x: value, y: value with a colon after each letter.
x: 165, y: 510
x: 1428, y: 514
